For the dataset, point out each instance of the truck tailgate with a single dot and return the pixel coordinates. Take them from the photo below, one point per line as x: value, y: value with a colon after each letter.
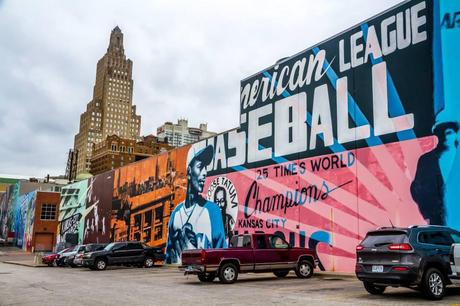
x: 191, y: 257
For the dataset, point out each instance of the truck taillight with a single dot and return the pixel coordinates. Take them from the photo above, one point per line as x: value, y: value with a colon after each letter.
x: 359, y: 248
x: 400, y: 247
x: 203, y: 255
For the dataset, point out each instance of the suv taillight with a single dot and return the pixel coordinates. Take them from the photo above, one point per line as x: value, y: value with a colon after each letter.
x: 400, y: 247
x: 359, y: 247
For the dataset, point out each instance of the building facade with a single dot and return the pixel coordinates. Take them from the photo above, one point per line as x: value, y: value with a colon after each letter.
x: 181, y: 134
x: 42, y: 223
x: 115, y: 152
x: 111, y: 110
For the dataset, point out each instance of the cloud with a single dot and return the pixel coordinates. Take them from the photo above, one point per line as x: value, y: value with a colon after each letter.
x: 189, y: 58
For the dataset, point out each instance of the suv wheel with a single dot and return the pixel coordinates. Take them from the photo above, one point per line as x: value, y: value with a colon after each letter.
x: 206, y: 278
x: 304, y: 269
x: 374, y: 289
x: 433, y: 285
x: 228, y: 273
x: 149, y: 262
x: 281, y: 273
x: 100, y: 264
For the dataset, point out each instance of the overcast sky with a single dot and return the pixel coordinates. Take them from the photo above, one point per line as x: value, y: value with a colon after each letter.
x: 189, y: 57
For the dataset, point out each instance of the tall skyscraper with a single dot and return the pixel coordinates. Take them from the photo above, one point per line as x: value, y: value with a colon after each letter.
x: 111, y: 110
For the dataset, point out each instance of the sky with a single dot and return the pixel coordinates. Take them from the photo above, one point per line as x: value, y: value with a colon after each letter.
x: 188, y: 60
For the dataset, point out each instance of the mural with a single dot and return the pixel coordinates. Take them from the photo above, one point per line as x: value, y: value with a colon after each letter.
x: 98, y: 209
x: 29, y: 220
x: 445, y: 157
x: 196, y: 223
x: 71, y: 214
x: 144, y: 194
x: 24, y: 214
x: 335, y: 141
x: 4, y: 213
x: 13, y: 194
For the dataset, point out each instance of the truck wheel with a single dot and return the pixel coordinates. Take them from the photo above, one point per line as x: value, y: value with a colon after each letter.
x: 433, y: 284
x: 228, y: 273
x: 281, y: 273
x: 304, y: 269
x: 373, y: 289
x: 149, y: 262
x: 206, y: 278
x: 100, y: 264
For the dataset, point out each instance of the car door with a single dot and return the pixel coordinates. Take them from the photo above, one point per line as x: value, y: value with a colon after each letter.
x: 437, y: 244
x: 118, y: 253
x: 269, y: 254
x: 135, y: 252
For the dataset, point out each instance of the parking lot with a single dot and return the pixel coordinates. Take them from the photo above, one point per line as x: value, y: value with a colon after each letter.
x: 21, y: 285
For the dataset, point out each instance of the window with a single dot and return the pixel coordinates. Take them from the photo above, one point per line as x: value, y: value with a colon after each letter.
x: 48, y: 212
x: 241, y: 241
x: 158, y: 233
x: 455, y: 237
x: 277, y: 243
x: 260, y: 240
x: 436, y: 237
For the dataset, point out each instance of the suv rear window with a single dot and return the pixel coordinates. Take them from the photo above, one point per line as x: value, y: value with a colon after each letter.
x: 378, y: 239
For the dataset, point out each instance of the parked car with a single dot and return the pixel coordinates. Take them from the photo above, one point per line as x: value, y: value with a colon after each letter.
x: 249, y: 253
x: 416, y: 257
x: 455, y: 263
x: 66, y: 258
x: 91, y: 247
x: 51, y: 259
x: 123, y: 253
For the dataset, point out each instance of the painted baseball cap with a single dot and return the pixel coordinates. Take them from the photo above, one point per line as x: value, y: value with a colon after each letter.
x: 200, y: 151
x: 444, y: 120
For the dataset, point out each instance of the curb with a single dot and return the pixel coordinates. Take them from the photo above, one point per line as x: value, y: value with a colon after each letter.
x: 335, y: 274
x: 24, y: 264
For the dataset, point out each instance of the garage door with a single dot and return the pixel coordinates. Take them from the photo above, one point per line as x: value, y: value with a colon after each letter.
x: 44, y: 241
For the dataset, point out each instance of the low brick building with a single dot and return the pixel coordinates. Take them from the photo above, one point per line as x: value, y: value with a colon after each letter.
x: 115, y: 152
x: 46, y: 220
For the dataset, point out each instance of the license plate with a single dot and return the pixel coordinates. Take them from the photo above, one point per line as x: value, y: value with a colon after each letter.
x: 378, y: 269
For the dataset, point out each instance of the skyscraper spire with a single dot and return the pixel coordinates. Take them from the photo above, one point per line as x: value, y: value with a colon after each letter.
x: 116, y: 42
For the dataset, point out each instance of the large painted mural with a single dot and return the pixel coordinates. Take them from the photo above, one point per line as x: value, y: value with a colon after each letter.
x: 25, y: 210
x: 144, y: 195
x: 357, y: 132
x: 72, y: 210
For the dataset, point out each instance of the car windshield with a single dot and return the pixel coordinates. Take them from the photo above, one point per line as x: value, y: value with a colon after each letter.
x: 63, y: 251
x: 378, y: 239
x: 69, y: 249
x: 109, y: 246
x: 93, y: 247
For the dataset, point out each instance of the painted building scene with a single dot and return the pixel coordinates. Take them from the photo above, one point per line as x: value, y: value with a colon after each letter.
x: 357, y: 132
x: 28, y: 212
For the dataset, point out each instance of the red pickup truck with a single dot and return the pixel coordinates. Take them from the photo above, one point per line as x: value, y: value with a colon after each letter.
x: 249, y: 253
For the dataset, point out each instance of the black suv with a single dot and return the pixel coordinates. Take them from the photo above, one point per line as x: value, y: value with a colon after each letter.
x: 123, y: 253
x: 415, y: 257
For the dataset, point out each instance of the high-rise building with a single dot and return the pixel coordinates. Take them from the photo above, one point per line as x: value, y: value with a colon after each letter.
x: 111, y: 110
x: 181, y: 134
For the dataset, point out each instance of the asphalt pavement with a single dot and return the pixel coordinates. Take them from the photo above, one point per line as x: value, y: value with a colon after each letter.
x: 23, y: 285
